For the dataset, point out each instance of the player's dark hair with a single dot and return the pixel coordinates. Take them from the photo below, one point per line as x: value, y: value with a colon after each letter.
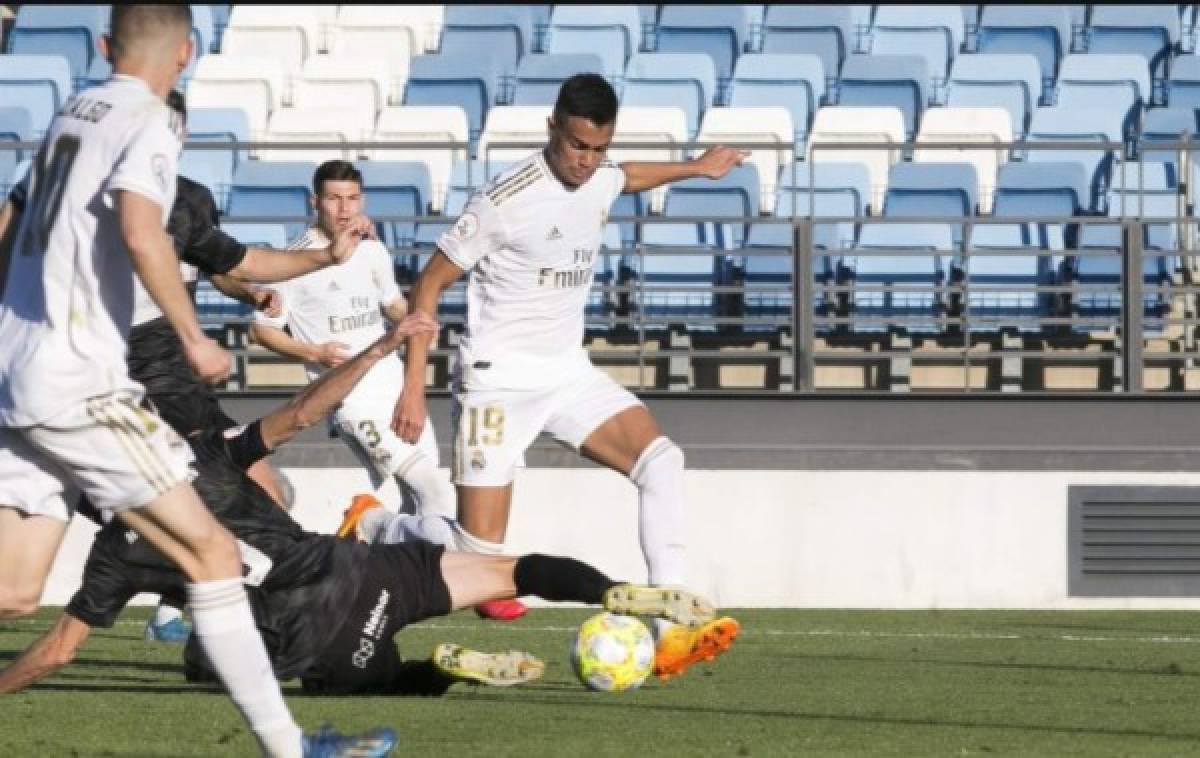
x: 335, y: 171
x: 588, y: 96
x: 134, y: 24
x: 177, y: 103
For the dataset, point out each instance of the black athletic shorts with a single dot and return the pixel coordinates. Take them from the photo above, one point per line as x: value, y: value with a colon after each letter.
x: 403, y: 584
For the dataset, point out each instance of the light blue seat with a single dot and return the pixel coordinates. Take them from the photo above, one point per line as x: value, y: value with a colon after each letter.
x: 796, y: 82
x: 496, y: 34
x: 67, y: 30
x: 215, y: 309
x: 1149, y: 30
x: 901, y: 81
x: 1117, y: 82
x: 915, y: 266
x: 1043, y: 31
x: 1040, y: 189
x: 1183, y: 88
x: 1147, y: 191
x: 1167, y: 126
x: 1078, y: 124
x: 934, y: 32
x: 258, y: 235
x: 683, y: 80
x: 539, y: 77
x: 718, y: 31
x: 101, y: 70
x: 395, y: 188
x: 202, y: 29
x: 216, y: 125
x: 828, y: 31
x: 469, y: 82
x: 613, y: 32
x: 38, y: 83
x: 1009, y: 81
x: 918, y: 190
x: 273, y: 189
x: 15, y: 126
x: 220, y: 16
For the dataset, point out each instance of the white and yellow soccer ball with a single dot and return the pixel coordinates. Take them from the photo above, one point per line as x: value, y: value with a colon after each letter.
x: 612, y: 653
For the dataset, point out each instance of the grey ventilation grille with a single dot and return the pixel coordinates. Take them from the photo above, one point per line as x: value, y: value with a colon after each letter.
x: 1133, y: 541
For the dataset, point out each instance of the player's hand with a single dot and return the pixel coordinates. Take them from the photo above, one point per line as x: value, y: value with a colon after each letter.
x: 331, y: 354
x: 209, y: 360
x: 717, y: 161
x: 408, y: 420
x: 268, y: 301
x: 411, y: 325
x: 346, y: 242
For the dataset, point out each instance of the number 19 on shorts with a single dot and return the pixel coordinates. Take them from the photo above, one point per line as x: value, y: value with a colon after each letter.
x: 491, y: 431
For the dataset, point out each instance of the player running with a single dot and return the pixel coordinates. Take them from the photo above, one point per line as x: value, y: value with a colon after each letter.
x: 529, y: 240
x: 98, y: 197
x: 300, y: 581
x: 334, y: 313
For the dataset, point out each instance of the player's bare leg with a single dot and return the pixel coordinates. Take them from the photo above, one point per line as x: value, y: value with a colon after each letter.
x: 483, y: 519
x: 28, y: 545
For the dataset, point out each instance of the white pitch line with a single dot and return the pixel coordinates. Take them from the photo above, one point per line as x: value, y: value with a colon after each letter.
x: 845, y: 633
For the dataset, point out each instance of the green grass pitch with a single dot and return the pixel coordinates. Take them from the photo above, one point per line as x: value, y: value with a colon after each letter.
x: 820, y: 683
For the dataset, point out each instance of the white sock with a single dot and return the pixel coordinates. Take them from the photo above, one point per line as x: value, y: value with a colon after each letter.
x: 469, y: 543
x: 429, y: 483
x: 165, y: 614
x: 226, y: 631
x: 658, y: 474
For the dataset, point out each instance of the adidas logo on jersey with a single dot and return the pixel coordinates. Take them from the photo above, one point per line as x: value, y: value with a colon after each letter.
x: 553, y: 234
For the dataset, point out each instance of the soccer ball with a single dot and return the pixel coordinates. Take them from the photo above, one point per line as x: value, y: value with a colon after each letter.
x: 612, y: 653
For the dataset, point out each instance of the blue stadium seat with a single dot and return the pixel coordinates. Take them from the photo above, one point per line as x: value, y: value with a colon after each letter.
x: 796, y: 82
x: 1035, y: 189
x: 221, y: 125
x: 468, y: 82
x: 1146, y: 191
x: 613, y: 32
x: 1167, y: 126
x: 1183, y: 88
x: 932, y: 190
x: 628, y: 204
x: 1041, y: 30
x: 1151, y: 31
x: 683, y: 80
x: 1098, y: 270
x: 220, y: 16
x: 718, y: 31
x: 215, y: 309
x: 496, y: 34
x: 38, y: 83
x: 15, y: 126
x: 830, y: 32
x: 901, y: 81
x: 1117, y: 82
x: 540, y: 76
x: 735, y: 194
x: 1012, y: 82
x: 277, y: 188
x: 1079, y: 124
x: 400, y: 188
x: 934, y: 32
x: 202, y: 28
x: 259, y: 235
x: 915, y: 267
x: 67, y: 30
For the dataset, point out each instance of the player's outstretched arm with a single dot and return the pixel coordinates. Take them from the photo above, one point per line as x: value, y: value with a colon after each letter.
x: 154, y: 259
x: 262, y: 299
x: 319, y: 399
x: 713, y: 164
x: 47, y: 654
x: 264, y: 265
x: 408, y: 418
x: 328, y: 354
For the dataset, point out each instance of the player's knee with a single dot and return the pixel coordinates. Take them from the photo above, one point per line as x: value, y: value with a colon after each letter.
x: 216, y: 555
x: 661, y: 462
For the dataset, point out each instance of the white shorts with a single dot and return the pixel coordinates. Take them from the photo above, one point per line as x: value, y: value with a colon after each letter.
x: 109, y: 448
x: 370, y: 437
x: 494, y: 428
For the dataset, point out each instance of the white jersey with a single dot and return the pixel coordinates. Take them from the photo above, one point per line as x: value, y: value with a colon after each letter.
x: 342, y: 303
x: 68, y: 301
x: 144, y: 307
x: 530, y: 244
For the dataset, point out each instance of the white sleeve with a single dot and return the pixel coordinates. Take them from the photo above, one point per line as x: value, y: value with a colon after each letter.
x: 478, y: 231
x: 616, y: 176
x: 384, y: 274
x: 149, y: 162
x: 280, y: 321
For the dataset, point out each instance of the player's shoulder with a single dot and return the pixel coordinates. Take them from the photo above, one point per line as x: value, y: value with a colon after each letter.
x: 519, y: 180
x: 308, y: 239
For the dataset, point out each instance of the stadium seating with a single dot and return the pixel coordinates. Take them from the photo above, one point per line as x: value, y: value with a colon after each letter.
x: 395, y: 189
x: 466, y: 82
x: 37, y: 83
x: 309, y: 125
x: 904, y: 257
x: 933, y: 32
x: 1151, y: 31
x: 1079, y: 124
x: 69, y: 31
x: 1183, y: 87
x: 1036, y: 189
x: 393, y: 32
x: 418, y: 124
x: 288, y: 38
x: 846, y: 124
x: 658, y: 132
x: 683, y: 80
x: 1117, y: 82
x: 718, y: 31
x: 1043, y: 31
x: 359, y: 86
x: 1167, y: 126
x: 221, y: 125
x: 513, y: 132
x: 983, y: 125
x: 918, y: 190
x: 830, y: 32
x: 900, y: 81
x: 202, y: 30
x: 254, y: 84
x: 271, y: 191
x: 539, y: 77
x: 262, y: 235
x: 747, y: 129
x: 15, y: 126
x: 794, y: 82
x: 612, y: 32
x: 1009, y: 81
x: 497, y: 34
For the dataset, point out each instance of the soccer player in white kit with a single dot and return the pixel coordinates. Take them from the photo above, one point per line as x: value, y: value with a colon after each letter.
x: 337, y: 311
x: 529, y: 240
x: 98, y: 197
